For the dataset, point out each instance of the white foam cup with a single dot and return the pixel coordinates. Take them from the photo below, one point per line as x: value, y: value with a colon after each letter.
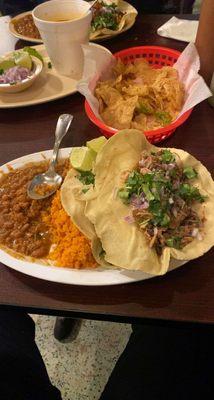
x: 63, y: 39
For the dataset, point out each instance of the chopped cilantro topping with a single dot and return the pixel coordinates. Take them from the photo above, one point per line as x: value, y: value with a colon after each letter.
x: 147, y: 192
x: 85, y: 190
x: 123, y: 194
x: 190, y: 193
x: 49, y: 65
x: 161, y: 200
x: 104, y: 21
x: 106, y: 17
x: 174, y: 241
x: 164, y: 117
x: 145, y: 109
x: 167, y: 157
x: 160, y: 216
x: 137, y: 184
x: 165, y: 220
x: 150, y: 184
x: 1, y: 71
x: 190, y: 173
x: 86, y: 177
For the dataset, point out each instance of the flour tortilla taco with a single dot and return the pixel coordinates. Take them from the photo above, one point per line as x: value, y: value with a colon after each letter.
x: 74, y: 200
x: 149, y: 207
x: 111, y: 17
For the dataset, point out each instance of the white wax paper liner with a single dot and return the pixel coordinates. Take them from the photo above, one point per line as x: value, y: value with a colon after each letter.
x: 99, y: 62
x: 179, y: 29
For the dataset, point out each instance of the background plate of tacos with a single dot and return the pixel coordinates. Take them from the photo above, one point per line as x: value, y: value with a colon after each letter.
x: 109, y: 20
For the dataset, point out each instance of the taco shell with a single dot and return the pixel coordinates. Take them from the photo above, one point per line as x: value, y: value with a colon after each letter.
x: 128, y: 19
x: 100, y: 214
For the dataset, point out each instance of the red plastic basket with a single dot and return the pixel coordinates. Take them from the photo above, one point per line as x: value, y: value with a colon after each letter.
x: 157, y: 57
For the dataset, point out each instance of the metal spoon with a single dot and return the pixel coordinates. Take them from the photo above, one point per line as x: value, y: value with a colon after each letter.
x: 50, y: 178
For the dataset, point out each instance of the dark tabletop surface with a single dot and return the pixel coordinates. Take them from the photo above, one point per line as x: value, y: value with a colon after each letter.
x: 186, y: 294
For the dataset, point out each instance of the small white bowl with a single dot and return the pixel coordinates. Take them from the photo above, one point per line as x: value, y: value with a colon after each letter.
x: 26, y: 83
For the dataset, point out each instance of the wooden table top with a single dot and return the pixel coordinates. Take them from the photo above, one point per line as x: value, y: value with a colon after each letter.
x: 186, y: 294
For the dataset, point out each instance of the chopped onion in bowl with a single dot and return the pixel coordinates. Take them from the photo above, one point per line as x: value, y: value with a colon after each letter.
x: 14, y: 75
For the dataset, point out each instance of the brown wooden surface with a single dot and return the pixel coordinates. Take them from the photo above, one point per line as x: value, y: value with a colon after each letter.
x: 183, y: 295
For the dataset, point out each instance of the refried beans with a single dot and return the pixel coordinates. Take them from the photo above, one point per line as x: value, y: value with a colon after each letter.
x: 21, y: 225
x: 25, y: 26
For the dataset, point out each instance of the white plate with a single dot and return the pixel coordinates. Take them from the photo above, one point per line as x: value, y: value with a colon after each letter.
x: 97, y: 277
x: 124, y: 6
x: 48, y: 87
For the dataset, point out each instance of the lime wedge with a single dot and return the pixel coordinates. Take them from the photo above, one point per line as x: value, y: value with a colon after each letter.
x: 6, y: 64
x: 33, y: 52
x: 82, y: 158
x: 96, y: 144
x: 23, y: 59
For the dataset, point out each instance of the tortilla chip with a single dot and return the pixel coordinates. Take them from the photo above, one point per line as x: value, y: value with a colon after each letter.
x: 140, y: 120
x: 136, y: 90
x: 158, y: 91
x: 108, y: 94
x: 120, y: 114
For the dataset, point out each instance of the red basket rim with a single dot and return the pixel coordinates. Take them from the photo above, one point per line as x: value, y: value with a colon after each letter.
x: 175, y: 52
x: 151, y: 133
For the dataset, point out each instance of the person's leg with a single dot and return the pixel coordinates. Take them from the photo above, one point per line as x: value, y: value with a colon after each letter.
x: 23, y: 375
x: 164, y: 362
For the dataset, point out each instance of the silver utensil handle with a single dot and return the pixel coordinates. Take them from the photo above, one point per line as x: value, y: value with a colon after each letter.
x: 62, y: 127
